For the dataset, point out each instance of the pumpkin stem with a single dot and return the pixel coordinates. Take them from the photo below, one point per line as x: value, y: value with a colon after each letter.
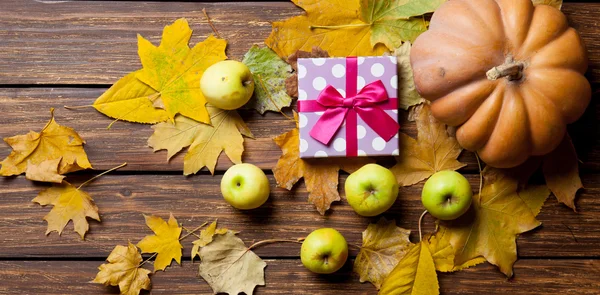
x: 511, y: 69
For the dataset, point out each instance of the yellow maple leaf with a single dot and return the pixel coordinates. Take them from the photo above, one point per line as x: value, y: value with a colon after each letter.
x: 384, y: 244
x: 53, y: 142
x: 320, y: 175
x: 433, y: 151
x: 45, y: 171
x: 123, y: 270
x: 443, y: 253
x: 165, y: 241
x: 174, y: 70
x: 206, y: 142
x: 497, y: 216
x: 414, y: 274
x: 70, y: 203
x: 561, y: 170
x: 353, y: 27
x: 206, y: 236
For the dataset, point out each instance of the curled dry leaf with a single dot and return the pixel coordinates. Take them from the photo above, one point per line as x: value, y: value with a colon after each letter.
x: 407, y: 91
x: 270, y: 73
x: 167, y: 83
x: 228, y: 266
x: 320, y: 175
x: 206, y: 142
x: 384, y: 244
x: 433, y: 151
x: 52, y: 143
x: 70, y: 203
x: 366, y: 28
x: 206, y: 237
x: 165, y: 241
x: 561, y: 170
x: 291, y: 83
x: 414, y: 274
x: 497, y: 216
x: 555, y: 3
x: 123, y: 270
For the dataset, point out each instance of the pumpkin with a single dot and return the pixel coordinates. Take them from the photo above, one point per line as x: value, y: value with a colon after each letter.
x: 508, y: 74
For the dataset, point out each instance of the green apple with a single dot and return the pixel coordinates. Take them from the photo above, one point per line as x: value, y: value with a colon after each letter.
x: 371, y: 190
x: 324, y: 251
x: 245, y: 186
x: 447, y: 195
x: 227, y: 84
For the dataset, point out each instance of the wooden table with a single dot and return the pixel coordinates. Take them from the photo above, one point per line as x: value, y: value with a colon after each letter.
x: 56, y: 53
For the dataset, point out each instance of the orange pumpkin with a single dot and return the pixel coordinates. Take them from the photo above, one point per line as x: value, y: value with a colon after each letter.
x: 507, y: 73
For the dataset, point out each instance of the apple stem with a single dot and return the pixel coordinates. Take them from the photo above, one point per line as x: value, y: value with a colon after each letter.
x: 193, y: 231
x: 271, y: 241
x: 107, y: 171
x: 421, y: 221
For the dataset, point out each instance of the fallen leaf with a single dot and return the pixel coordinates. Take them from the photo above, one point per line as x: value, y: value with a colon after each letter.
x: 206, y: 237
x: 407, y: 91
x: 443, y: 253
x: 555, y: 3
x: 384, y: 244
x: 123, y: 270
x: 270, y: 73
x: 228, y: 266
x: 165, y: 242
x: 53, y: 142
x: 561, y: 170
x: 130, y: 99
x: 433, y: 151
x: 46, y: 171
x: 497, y: 216
x: 320, y: 175
x: 70, y: 203
x: 414, y: 274
x: 351, y: 28
x: 206, y: 142
x: 291, y: 83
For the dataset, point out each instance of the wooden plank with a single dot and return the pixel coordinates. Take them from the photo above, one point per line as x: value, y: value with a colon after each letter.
x: 122, y: 199
x: 25, y: 109
x: 70, y: 42
x: 532, y: 276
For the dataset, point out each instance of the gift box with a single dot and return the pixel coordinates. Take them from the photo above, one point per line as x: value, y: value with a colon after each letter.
x: 348, y: 107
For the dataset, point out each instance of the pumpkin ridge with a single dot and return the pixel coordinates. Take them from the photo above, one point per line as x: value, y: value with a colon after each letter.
x: 474, y: 11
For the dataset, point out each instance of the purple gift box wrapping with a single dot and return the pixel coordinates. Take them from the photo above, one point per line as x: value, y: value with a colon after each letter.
x: 314, y: 74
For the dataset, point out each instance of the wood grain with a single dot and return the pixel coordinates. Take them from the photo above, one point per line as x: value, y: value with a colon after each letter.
x: 73, y: 42
x: 25, y: 109
x: 532, y: 277
x: 123, y: 199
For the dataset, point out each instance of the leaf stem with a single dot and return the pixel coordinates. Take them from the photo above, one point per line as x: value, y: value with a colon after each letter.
x: 260, y: 80
x: 421, y: 221
x: 148, y: 259
x: 480, y: 175
x: 210, y: 23
x: 339, y: 27
x: 193, y: 231
x: 107, y: 171
x: 77, y: 107
x: 271, y: 241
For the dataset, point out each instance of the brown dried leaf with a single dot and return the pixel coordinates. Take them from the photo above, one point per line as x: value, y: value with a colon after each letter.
x: 291, y: 83
x: 561, y: 170
x: 206, y: 236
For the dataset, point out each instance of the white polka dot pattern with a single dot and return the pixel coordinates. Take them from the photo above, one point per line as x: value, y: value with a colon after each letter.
x: 377, y: 70
x: 379, y: 144
x: 339, y: 144
x: 321, y: 154
x: 338, y: 71
x: 319, y: 83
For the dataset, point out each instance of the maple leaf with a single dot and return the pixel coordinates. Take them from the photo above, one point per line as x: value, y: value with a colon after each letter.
x: 320, y: 175
x: 270, y: 73
x: 561, y: 171
x: 45, y: 171
x: 367, y: 27
x: 206, y: 142
x: 497, y: 216
x: 384, y: 244
x: 130, y: 99
x: 407, y: 91
x: 414, y: 274
x: 206, y: 237
x: 165, y: 242
x: 291, y: 83
x: 443, y: 253
x: 123, y: 270
x: 433, y: 151
x: 555, y: 3
x: 70, y: 203
x: 228, y: 266
x: 53, y: 142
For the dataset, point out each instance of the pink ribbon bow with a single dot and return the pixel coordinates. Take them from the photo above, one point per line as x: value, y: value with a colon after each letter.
x: 368, y: 103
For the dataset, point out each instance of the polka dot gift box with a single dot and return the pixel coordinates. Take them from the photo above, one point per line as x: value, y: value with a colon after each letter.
x: 347, y: 107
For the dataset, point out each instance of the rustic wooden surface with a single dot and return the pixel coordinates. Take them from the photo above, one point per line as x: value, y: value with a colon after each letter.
x: 56, y: 53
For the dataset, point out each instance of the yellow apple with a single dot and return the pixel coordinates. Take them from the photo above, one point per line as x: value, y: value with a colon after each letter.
x: 324, y: 251
x: 371, y: 190
x: 227, y: 84
x: 245, y: 186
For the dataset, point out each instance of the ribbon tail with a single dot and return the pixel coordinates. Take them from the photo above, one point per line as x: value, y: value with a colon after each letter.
x: 384, y: 125
x: 328, y: 125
